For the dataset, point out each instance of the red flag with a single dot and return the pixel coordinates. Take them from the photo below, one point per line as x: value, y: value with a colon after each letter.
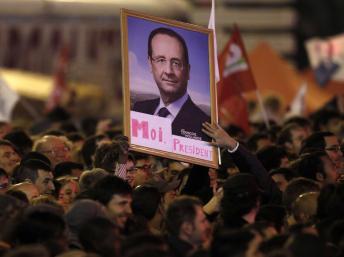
x: 60, y: 86
x: 235, y: 78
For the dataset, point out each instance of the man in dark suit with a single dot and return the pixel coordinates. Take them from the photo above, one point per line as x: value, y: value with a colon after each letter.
x: 168, y: 60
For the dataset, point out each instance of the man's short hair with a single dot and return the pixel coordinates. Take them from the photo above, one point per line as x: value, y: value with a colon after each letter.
x: 271, y: 156
x: 285, y: 134
x: 308, y: 165
x: 66, y: 168
x: 171, y: 33
x: 90, y: 177
x: 106, y: 156
x: 146, y: 201
x: 109, y: 186
x: 316, y: 141
x: 287, y: 173
x: 323, y: 117
x: 182, y: 209
x: 252, y: 141
x: 28, y: 170
x: 89, y: 148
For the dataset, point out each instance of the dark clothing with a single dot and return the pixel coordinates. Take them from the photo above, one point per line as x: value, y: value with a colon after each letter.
x: 187, y: 123
x: 248, y: 163
x: 178, y: 247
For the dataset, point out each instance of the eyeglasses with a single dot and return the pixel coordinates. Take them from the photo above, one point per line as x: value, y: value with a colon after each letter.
x: 335, y: 148
x: 175, y: 63
x: 55, y: 151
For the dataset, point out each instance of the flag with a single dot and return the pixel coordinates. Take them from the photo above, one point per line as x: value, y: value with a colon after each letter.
x: 60, y: 86
x: 8, y: 100
x: 298, y: 105
x: 211, y: 25
x: 235, y: 78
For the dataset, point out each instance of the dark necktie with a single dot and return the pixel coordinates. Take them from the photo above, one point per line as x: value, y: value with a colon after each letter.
x: 163, y: 112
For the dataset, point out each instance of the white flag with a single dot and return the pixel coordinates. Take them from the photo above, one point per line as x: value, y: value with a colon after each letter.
x: 8, y: 99
x: 211, y: 25
x: 298, y: 105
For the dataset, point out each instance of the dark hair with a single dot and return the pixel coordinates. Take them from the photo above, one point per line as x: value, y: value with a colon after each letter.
x: 108, y: 186
x: 90, y: 177
x: 271, y: 156
x: 308, y: 165
x: 272, y: 214
x: 316, y: 141
x: 65, y: 168
x: 21, y: 140
x: 3, y: 173
x: 89, y: 148
x: 286, y: 172
x: 252, y: 141
x: 171, y: 33
x: 322, y: 118
x: 146, y: 201
x: 301, y: 121
x: 28, y: 169
x: 98, y: 235
x: 330, y: 202
x: 36, y: 155
x: 18, y: 194
x: 296, y: 187
x: 285, y: 134
x: 304, y: 244
x: 230, y: 243
x: 74, y: 136
x: 44, y: 227
x: 182, y: 209
x: 106, y: 157
x: 8, y: 143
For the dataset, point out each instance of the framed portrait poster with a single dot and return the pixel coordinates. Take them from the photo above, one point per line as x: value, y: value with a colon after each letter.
x: 168, y: 87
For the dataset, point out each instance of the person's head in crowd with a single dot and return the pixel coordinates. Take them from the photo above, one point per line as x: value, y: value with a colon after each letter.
x: 274, y: 215
x: 145, y: 240
x: 38, y: 172
x: 56, y: 148
x: 291, y: 138
x: 330, y: 202
x: 79, y: 213
x: 77, y: 141
x: 295, y: 188
x: 273, y: 157
x: 68, y: 127
x: 258, y: 141
x: 40, y: 226
x: 232, y: 243
x: 4, y: 181
x: 302, y: 122
x: 282, y: 176
x: 318, y: 167
x: 18, y: 194
x: 73, y: 169
x: 28, y: 188
x: 66, y: 189
x: 88, y: 149
x: 236, y: 132
x: 101, y: 236
x: 186, y: 222
x: 21, y: 140
x: 241, y: 200
x: 54, y: 132
x: 324, y: 141
x: 36, y: 250
x: 328, y: 120
x: 141, y: 172
x: 5, y: 127
x: 107, y: 157
x: 116, y: 195
x: 272, y: 247
x: 336, y: 236
x: 146, y: 206
x: 227, y: 167
x: 167, y: 189
x: 305, y: 244
x: 304, y: 208
x: 36, y: 155
x: 90, y: 177
x: 88, y: 126
x: 9, y: 156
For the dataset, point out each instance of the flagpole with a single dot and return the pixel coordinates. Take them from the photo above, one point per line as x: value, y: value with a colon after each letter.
x: 262, y: 109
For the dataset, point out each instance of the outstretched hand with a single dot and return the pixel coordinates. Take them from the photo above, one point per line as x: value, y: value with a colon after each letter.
x: 220, y: 136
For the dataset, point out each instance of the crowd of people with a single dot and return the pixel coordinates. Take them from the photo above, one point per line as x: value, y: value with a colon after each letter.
x: 73, y: 187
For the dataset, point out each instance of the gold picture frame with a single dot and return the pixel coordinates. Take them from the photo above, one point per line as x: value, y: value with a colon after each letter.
x: 186, y: 74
